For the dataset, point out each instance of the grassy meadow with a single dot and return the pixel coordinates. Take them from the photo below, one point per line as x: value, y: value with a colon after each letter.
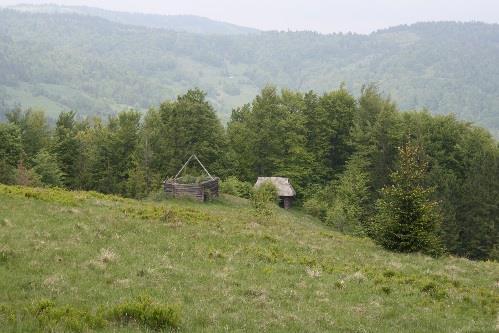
x: 84, y: 262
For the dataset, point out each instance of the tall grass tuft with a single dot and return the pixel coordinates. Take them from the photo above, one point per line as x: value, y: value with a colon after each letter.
x: 144, y: 311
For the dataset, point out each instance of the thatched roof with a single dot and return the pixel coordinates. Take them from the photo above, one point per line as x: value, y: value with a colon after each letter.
x: 284, y: 188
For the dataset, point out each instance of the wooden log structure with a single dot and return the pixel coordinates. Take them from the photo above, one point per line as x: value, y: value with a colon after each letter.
x: 199, y: 191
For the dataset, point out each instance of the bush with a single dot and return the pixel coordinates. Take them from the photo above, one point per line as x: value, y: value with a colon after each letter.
x: 145, y: 311
x: 264, y: 199
x: 316, y: 207
x: 234, y: 186
x: 345, y: 218
x: 70, y: 318
x: 157, y: 195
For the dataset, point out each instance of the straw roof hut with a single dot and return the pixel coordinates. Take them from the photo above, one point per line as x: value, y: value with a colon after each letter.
x: 285, y: 190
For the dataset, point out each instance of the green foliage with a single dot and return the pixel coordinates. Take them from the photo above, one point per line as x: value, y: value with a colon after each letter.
x: 345, y: 202
x: 112, y: 151
x: 264, y: 200
x: 68, y: 149
x: 35, y: 132
x: 269, y: 137
x: 10, y: 152
x: 148, y: 313
x: 189, y: 126
x: 47, y: 169
x: 316, y: 206
x: 69, y: 318
x: 349, y: 210
x: 408, y: 220
x: 233, y: 186
x: 136, y: 184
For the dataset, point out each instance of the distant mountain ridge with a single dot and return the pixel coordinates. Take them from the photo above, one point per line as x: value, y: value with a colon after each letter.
x: 181, y: 23
x: 96, y: 66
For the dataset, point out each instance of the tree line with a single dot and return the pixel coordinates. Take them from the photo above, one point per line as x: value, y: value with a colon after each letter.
x: 359, y: 164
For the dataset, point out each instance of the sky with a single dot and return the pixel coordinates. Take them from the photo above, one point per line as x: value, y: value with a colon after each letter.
x: 360, y: 16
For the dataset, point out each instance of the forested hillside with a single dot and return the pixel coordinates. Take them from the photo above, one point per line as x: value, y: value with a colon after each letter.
x: 183, y: 23
x: 95, y: 66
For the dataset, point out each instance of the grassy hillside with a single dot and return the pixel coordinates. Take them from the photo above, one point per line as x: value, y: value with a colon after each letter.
x: 445, y: 67
x: 86, y: 261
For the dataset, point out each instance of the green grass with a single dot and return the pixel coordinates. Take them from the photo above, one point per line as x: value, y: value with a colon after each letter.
x: 83, y: 261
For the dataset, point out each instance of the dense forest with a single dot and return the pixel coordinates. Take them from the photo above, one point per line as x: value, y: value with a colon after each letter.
x: 64, y: 62
x: 356, y: 162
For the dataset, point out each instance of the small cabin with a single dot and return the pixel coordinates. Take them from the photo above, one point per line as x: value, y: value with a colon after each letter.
x: 285, y: 191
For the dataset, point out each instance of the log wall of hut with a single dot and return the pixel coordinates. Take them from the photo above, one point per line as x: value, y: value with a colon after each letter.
x: 202, y: 191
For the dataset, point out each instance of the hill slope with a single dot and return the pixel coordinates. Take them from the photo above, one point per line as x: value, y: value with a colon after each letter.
x: 86, y: 63
x: 182, y: 23
x: 67, y: 258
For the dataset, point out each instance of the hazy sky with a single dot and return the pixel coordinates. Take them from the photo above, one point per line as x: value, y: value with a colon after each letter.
x: 361, y: 16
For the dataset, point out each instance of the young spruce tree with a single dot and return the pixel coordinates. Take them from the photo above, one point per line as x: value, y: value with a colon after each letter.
x: 408, y: 219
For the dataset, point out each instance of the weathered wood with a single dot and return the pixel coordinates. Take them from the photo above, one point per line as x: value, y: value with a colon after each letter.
x: 200, y: 191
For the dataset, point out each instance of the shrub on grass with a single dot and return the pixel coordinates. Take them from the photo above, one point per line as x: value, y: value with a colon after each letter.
x: 144, y: 311
x: 50, y: 317
x: 264, y: 199
x: 234, y: 186
x: 316, y: 207
x: 157, y: 195
x: 433, y: 290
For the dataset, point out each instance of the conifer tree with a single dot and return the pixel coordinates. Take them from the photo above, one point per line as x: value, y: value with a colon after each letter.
x: 408, y: 219
x: 68, y: 148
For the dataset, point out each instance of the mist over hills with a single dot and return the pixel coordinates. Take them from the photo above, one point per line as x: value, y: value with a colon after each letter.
x: 181, y: 23
x: 95, y: 65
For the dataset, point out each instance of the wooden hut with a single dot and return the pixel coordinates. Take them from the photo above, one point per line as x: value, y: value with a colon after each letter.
x: 285, y: 191
x: 197, y: 188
